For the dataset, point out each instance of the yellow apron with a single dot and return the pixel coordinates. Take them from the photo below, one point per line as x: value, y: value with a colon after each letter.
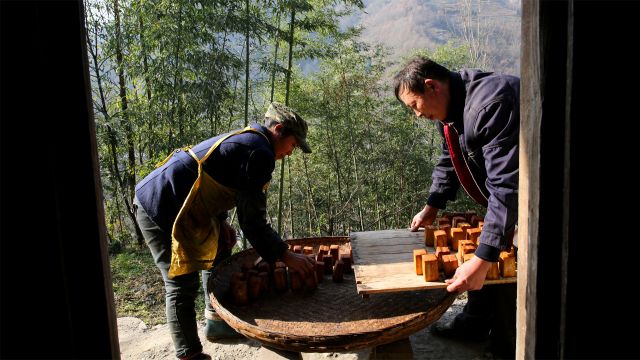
x: 194, y: 237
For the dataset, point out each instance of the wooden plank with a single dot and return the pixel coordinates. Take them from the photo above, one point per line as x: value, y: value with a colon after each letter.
x: 383, y: 262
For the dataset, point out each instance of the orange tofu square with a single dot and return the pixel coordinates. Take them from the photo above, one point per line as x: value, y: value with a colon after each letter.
x: 473, y: 234
x: 457, y: 220
x: 334, y: 250
x: 346, y: 259
x: 430, y: 268
x: 456, y: 235
x: 428, y: 234
x: 440, y: 238
x: 417, y: 259
x: 468, y: 249
x: 464, y: 226
x: 467, y: 257
x: 441, y: 250
x: 494, y: 272
x: 449, y: 264
x: 507, y: 264
x: 447, y: 229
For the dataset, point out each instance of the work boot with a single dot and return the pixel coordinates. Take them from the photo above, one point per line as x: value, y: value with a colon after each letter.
x: 219, y: 329
x: 458, y: 328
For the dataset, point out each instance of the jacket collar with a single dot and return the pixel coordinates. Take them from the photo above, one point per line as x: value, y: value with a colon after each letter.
x: 457, y: 96
x: 262, y: 129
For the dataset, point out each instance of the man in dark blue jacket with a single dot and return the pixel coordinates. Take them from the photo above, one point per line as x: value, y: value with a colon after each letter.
x: 478, y: 115
x: 182, y: 206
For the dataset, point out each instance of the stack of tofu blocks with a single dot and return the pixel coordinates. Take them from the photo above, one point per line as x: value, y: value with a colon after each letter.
x: 454, y: 238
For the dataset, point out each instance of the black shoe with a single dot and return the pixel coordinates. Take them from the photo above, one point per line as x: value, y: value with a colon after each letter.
x: 459, y: 329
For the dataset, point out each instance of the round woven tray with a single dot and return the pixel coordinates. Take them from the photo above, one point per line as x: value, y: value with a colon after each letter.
x: 331, y: 318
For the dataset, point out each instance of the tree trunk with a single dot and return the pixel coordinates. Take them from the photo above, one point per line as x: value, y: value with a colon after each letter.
x: 147, y: 84
x: 312, y: 206
x: 275, y: 59
x: 353, y: 150
x: 177, y: 76
x: 129, y: 191
x: 280, y: 198
x: 246, y: 67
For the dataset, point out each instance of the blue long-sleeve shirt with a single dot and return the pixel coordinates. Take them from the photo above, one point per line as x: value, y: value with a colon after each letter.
x: 243, y: 162
x: 485, y: 110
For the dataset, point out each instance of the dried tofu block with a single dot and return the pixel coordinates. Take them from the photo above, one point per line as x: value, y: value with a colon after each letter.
x: 456, y: 235
x: 441, y: 250
x: 338, y: 271
x: 430, y: 268
x: 507, y: 264
x: 449, y: 264
x: 295, y: 280
x: 417, y: 260
x: 346, y: 259
x: 428, y: 234
x: 319, y: 271
x: 473, y: 234
x: 494, y: 272
x: 440, y: 238
x: 239, y: 292
x: 280, y: 278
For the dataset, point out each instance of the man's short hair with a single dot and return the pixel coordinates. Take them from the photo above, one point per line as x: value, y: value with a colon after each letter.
x: 412, y: 76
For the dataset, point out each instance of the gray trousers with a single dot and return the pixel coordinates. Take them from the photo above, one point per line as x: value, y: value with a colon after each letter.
x: 181, y: 291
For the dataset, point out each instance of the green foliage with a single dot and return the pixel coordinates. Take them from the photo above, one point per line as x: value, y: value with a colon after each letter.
x: 449, y: 55
x: 137, y: 287
x: 139, y: 290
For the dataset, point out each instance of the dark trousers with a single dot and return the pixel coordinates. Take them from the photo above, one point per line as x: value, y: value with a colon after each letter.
x: 181, y: 291
x: 493, y: 308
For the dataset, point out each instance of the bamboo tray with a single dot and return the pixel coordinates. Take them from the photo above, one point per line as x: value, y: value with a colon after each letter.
x: 332, y: 318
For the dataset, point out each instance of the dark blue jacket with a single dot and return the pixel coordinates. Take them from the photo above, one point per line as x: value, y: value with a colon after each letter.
x: 242, y: 162
x: 485, y: 110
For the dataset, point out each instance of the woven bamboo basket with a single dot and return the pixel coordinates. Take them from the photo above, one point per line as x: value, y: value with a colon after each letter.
x: 331, y: 318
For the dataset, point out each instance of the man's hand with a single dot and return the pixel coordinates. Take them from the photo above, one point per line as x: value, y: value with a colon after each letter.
x: 469, y: 276
x: 303, y: 264
x: 424, y: 217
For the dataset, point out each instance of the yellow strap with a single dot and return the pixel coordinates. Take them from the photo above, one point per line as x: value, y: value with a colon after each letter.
x: 213, y: 147
x: 217, y: 143
x: 186, y: 148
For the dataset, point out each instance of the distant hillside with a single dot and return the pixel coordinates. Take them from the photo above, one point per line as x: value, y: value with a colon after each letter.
x: 405, y: 25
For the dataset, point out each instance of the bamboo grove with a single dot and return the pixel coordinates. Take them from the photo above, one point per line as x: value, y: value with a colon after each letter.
x: 171, y: 73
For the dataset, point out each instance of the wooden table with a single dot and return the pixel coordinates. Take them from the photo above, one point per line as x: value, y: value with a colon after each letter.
x: 383, y: 262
